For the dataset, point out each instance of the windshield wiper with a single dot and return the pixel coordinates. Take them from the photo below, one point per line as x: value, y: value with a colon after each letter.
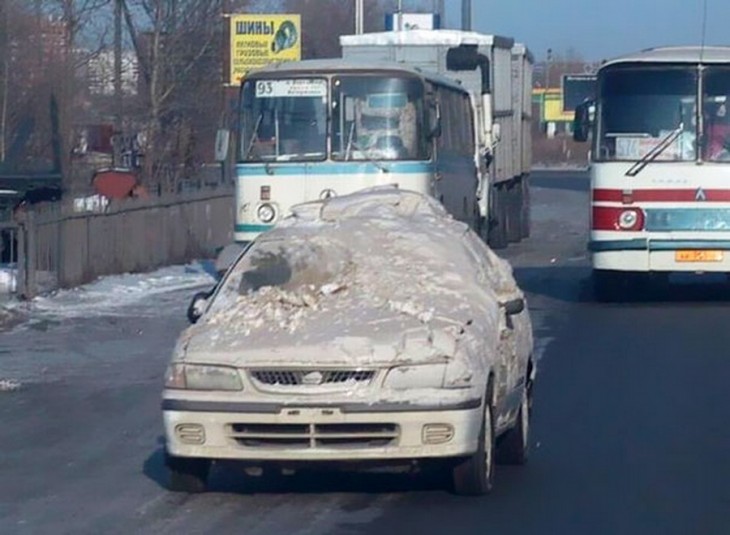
x: 368, y: 157
x: 655, y: 151
x: 351, y: 143
x: 254, y: 136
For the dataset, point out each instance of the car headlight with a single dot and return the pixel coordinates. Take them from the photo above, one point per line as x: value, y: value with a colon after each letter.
x: 416, y: 376
x: 200, y: 377
x: 266, y: 213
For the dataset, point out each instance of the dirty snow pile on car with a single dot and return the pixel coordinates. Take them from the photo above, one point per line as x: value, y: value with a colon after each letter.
x: 365, y: 278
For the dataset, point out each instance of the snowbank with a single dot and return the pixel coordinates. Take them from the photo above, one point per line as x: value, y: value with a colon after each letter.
x: 112, y: 294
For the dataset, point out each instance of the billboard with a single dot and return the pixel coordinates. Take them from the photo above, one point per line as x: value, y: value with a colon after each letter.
x: 257, y: 40
x: 576, y: 89
x: 551, y: 105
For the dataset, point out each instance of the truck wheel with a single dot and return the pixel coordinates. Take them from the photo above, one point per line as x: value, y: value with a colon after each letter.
x: 525, y: 205
x: 514, y: 216
x: 497, y: 233
x: 187, y: 474
x: 515, y: 444
x: 474, y: 475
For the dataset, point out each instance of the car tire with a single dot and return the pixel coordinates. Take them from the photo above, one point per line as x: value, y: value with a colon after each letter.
x: 474, y: 476
x: 514, y: 447
x: 187, y: 474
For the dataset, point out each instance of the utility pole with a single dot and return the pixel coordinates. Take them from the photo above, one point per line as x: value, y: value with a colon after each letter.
x: 466, y: 15
x: 359, y: 17
x: 118, y: 97
x: 441, y: 10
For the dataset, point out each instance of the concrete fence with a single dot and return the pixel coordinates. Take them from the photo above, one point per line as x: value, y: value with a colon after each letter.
x: 60, y: 247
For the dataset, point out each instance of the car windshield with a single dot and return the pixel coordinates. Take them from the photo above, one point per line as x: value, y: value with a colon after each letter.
x: 284, y: 120
x: 377, y: 118
x: 291, y: 265
x: 643, y: 108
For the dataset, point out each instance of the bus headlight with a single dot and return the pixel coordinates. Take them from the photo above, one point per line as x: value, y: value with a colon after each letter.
x: 266, y: 213
x: 628, y: 219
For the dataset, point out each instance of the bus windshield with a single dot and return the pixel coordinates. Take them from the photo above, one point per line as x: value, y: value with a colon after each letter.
x: 641, y: 108
x: 284, y: 120
x: 716, y: 114
x: 378, y: 117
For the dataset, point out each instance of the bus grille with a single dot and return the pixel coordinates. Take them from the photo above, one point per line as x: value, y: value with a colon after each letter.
x: 684, y: 219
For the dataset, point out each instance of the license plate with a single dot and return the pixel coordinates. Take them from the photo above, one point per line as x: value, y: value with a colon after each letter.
x: 698, y: 256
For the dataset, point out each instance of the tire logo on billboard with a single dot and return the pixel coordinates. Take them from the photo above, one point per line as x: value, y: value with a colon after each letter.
x: 327, y: 194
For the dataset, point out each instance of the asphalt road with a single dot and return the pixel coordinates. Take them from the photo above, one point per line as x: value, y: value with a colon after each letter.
x: 630, y: 429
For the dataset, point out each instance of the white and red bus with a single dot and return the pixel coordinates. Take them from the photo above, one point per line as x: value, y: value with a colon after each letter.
x: 660, y: 165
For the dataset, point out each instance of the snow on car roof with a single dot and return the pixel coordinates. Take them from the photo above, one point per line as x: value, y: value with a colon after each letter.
x: 395, y: 263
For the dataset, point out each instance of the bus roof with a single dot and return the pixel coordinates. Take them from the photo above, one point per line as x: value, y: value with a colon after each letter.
x: 339, y: 65
x: 427, y: 38
x: 675, y: 54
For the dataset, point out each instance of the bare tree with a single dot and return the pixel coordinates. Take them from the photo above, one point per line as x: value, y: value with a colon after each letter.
x: 178, y: 44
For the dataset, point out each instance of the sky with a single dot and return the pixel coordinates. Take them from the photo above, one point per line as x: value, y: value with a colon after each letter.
x: 597, y: 29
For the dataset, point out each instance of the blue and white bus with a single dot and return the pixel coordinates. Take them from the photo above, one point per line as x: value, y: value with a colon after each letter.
x: 315, y: 129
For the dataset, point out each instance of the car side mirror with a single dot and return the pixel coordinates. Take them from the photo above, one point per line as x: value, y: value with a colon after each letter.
x: 582, y: 121
x: 513, y: 306
x: 197, y: 306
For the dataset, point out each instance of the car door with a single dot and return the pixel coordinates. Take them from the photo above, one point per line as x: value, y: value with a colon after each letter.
x: 515, y: 332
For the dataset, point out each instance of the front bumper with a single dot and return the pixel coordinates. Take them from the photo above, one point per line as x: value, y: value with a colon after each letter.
x: 644, y: 255
x: 362, y: 432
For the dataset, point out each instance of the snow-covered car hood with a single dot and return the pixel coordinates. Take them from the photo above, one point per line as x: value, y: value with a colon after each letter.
x: 402, y: 285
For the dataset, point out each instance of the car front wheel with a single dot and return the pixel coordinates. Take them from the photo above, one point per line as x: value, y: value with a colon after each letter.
x: 187, y: 474
x: 474, y: 475
x: 514, y: 446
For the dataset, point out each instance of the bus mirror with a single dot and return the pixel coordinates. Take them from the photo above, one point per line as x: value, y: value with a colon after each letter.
x: 582, y: 121
x: 434, y: 121
x: 222, y: 140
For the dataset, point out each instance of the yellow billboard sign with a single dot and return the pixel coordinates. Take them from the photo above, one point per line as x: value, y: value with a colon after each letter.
x: 551, y: 104
x: 257, y: 40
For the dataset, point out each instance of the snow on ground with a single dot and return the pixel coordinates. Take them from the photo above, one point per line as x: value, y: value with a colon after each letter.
x: 115, y: 294
x: 8, y: 275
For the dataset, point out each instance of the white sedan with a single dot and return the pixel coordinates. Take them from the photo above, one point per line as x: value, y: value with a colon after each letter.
x: 369, y: 328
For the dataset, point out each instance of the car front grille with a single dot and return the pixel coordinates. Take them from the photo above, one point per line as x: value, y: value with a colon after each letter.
x: 311, y: 377
x: 308, y: 436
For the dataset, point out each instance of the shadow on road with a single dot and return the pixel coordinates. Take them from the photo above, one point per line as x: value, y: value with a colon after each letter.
x: 573, y: 284
x: 231, y: 477
x: 154, y: 466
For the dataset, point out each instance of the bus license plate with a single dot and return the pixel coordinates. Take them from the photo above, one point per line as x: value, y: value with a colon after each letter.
x: 698, y: 256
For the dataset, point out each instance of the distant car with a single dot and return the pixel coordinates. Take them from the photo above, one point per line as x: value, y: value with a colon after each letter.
x: 371, y: 328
